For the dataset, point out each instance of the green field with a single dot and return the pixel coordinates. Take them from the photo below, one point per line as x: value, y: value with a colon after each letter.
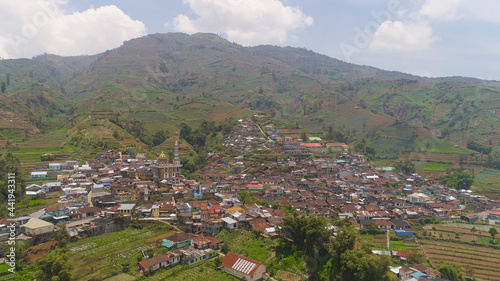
x: 106, y: 255
x: 486, y: 173
x: 199, y: 272
x: 436, y: 166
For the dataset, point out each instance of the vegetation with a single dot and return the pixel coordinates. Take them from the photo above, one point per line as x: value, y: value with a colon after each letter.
x: 451, y: 272
x: 459, y: 179
x: 55, y: 266
x: 405, y: 167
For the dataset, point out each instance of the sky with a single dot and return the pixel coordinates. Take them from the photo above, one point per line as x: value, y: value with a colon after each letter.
x: 424, y: 37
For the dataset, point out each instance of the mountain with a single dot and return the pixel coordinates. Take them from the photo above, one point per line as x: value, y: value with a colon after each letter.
x: 161, y: 80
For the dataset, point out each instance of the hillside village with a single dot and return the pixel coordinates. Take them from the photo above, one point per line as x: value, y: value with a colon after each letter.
x: 314, y: 177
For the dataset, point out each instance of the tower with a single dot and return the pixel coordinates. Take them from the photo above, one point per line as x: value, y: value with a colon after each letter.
x: 166, y: 172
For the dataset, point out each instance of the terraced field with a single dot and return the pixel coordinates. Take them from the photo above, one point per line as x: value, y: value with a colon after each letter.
x: 107, y: 254
x: 484, y: 260
x: 199, y: 272
x: 380, y: 241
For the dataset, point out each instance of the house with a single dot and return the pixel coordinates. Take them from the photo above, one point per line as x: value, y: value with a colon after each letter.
x: 383, y: 224
x: 38, y: 174
x: 54, y: 166
x: 192, y: 255
x: 179, y: 240
x: 291, y: 148
x: 100, y: 226
x: 243, y: 267
x: 252, y: 208
x: 153, y: 264
x: 216, y: 212
x: 417, y: 271
x: 470, y: 218
x: 230, y: 223
x: 337, y: 146
x: 202, y: 242
x: 36, y: 227
x: 33, y: 195
x: 211, y: 227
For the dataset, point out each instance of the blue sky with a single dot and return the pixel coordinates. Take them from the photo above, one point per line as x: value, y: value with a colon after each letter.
x: 423, y: 37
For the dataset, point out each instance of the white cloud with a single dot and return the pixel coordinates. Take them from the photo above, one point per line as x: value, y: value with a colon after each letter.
x: 30, y: 28
x: 441, y: 9
x: 448, y: 10
x: 245, y: 22
x: 400, y: 36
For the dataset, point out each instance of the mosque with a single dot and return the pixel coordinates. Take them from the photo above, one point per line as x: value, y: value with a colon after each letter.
x: 168, y: 173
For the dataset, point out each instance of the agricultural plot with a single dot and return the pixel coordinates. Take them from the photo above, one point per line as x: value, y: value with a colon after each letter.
x: 411, y: 245
x: 462, y: 228
x: 483, y: 260
x: 107, y: 255
x: 459, y: 234
x: 199, y: 272
x: 380, y: 241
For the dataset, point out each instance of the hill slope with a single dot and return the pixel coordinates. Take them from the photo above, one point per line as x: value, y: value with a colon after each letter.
x: 163, y: 80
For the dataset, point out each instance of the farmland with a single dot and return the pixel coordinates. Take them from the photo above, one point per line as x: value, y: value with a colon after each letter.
x: 108, y: 254
x: 200, y: 272
x: 483, y: 260
x: 463, y: 233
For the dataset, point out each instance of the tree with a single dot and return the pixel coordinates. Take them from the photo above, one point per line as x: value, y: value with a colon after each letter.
x: 405, y: 167
x: 493, y: 231
x: 54, y: 266
x: 473, y: 229
x: 415, y: 257
x: 360, y: 266
x: 303, y: 136
x: 159, y: 137
x: 62, y: 236
x: 451, y: 271
x: 459, y: 179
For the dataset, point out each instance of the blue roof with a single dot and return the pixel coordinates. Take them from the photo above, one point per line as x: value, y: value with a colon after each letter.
x: 418, y: 274
x: 166, y: 244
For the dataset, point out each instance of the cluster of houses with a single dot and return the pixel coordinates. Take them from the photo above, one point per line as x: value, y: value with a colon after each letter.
x: 192, y: 249
x: 343, y: 186
x: 108, y: 192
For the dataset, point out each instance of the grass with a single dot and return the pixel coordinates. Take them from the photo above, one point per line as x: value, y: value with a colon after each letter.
x: 34, y: 206
x: 199, y: 272
x: 397, y: 246
x: 4, y: 268
x: 105, y: 255
x: 486, y: 173
x: 122, y: 277
x: 436, y: 166
x: 244, y: 242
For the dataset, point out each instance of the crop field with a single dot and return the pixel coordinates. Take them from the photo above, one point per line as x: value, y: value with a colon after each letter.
x: 436, y: 166
x: 380, y: 241
x: 483, y: 260
x: 486, y: 173
x: 107, y: 254
x: 481, y: 230
x: 488, y: 183
x: 200, y: 272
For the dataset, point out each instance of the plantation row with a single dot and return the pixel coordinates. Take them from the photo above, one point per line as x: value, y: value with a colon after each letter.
x: 459, y: 229
x: 483, y: 260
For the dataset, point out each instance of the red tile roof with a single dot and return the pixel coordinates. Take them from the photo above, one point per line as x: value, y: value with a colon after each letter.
x: 155, y: 260
x: 311, y: 144
x: 240, y: 263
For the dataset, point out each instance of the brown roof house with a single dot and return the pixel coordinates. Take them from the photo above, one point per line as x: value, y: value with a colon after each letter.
x: 243, y: 267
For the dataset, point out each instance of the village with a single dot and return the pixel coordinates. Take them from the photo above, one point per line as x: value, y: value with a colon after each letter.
x: 314, y: 177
